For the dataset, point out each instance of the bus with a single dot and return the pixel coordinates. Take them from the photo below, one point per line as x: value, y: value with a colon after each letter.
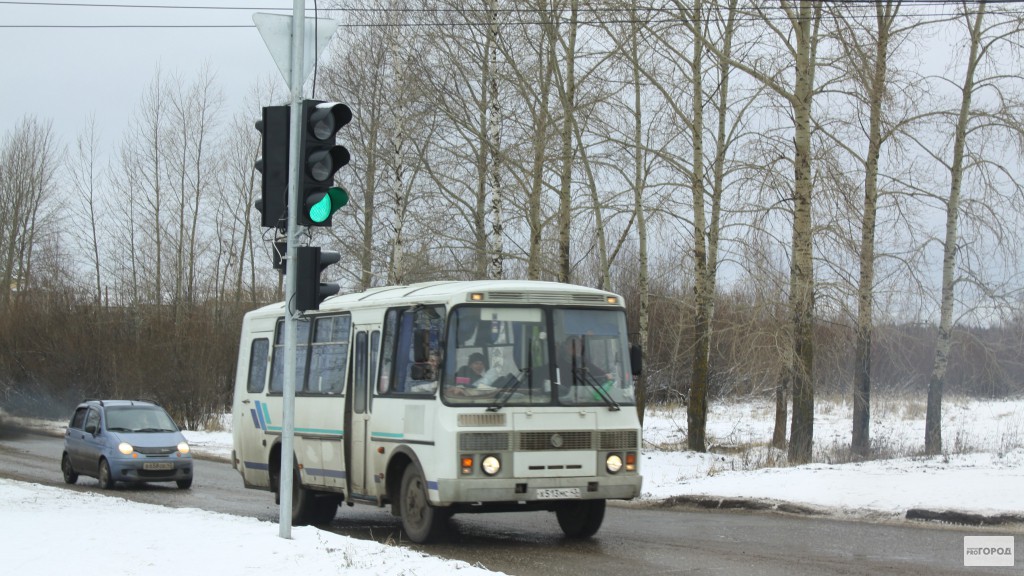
x: 443, y: 398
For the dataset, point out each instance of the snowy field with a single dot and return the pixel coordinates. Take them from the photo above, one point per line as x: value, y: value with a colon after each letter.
x: 981, y: 472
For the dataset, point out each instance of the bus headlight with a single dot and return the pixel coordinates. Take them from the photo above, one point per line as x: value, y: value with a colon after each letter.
x: 490, y: 465
x: 613, y: 463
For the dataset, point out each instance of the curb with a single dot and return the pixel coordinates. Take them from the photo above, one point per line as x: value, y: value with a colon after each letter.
x: 917, y: 514
x: 714, y: 503
x: 966, y: 518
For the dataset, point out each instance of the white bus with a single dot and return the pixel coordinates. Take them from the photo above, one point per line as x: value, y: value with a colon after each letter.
x: 443, y: 398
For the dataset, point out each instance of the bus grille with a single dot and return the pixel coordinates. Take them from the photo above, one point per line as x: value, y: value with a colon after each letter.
x: 489, y: 419
x: 618, y: 440
x: 555, y: 440
x: 484, y: 441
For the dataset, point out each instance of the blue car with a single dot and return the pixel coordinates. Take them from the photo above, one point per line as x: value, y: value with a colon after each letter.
x: 125, y: 441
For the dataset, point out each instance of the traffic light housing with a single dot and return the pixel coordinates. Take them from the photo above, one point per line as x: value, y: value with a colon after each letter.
x: 310, y: 263
x: 273, y: 165
x: 321, y: 157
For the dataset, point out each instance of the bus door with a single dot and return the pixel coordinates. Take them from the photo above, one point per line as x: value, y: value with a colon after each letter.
x: 250, y: 413
x: 358, y: 407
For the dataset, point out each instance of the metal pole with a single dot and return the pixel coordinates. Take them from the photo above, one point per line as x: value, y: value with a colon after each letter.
x: 291, y: 279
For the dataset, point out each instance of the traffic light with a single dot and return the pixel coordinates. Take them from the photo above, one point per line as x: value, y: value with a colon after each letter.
x: 321, y: 157
x: 310, y: 262
x: 273, y: 165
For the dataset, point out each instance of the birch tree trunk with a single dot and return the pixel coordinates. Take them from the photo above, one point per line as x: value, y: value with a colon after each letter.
x: 567, y: 93
x: 937, y: 380
x: 496, y: 248
x: 805, y: 27
x: 885, y: 14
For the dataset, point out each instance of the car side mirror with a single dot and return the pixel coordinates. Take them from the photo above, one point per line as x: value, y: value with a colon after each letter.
x: 91, y: 429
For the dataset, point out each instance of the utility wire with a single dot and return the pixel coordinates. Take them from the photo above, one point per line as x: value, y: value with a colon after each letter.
x: 663, y: 15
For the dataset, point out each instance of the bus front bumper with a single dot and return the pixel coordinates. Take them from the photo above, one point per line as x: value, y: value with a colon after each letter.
x: 535, y: 490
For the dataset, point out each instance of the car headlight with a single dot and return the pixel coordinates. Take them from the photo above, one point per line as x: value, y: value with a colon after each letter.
x: 490, y: 465
x: 125, y: 448
x: 613, y: 463
x: 183, y: 447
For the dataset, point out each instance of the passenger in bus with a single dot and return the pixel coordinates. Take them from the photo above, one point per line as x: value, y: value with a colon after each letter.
x: 472, y: 371
x: 473, y: 379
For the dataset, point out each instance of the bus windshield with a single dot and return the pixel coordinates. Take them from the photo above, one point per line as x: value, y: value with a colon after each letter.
x: 512, y: 356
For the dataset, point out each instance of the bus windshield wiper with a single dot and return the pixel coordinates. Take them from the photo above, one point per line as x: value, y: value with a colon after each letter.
x: 509, y: 390
x: 582, y: 374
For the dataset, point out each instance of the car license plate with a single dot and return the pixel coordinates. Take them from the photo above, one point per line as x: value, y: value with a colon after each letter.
x: 557, y: 493
x: 158, y: 465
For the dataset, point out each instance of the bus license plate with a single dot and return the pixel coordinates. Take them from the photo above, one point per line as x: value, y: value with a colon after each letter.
x: 557, y: 493
x: 158, y: 465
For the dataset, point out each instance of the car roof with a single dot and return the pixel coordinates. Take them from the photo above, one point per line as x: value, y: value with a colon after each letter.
x: 108, y: 403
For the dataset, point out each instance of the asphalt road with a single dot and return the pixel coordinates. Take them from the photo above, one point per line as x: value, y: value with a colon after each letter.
x: 634, y: 540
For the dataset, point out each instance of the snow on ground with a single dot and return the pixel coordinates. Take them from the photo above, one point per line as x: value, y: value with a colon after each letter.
x: 981, y: 472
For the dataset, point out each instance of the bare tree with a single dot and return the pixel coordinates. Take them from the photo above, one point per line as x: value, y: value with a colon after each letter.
x: 87, y: 178
x: 26, y: 177
x: 973, y: 125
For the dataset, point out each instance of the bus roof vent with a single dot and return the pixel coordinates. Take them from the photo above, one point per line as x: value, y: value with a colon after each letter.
x: 545, y: 298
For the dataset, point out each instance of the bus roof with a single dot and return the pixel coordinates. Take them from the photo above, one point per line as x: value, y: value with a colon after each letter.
x: 494, y: 291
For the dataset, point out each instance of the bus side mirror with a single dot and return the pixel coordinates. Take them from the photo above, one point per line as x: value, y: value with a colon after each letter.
x: 636, y: 359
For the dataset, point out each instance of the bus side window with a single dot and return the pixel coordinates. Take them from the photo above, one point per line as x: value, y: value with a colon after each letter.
x: 374, y: 360
x: 410, y: 335
x: 388, y: 351
x: 258, y: 365
x: 277, y: 362
x: 359, y: 374
x: 329, y: 354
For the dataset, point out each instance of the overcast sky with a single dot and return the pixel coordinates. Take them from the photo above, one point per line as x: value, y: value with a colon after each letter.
x: 56, y: 67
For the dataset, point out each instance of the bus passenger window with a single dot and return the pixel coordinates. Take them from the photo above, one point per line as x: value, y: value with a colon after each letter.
x: 258, y: 365
x: 277, y: 362
x: 328, y: 355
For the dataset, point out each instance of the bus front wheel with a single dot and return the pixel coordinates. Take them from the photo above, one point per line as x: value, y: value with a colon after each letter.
x: 581, y: 519
x: 421, y: 521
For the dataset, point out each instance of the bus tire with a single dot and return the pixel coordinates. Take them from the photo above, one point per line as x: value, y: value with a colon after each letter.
x: 421, y: 521
x: 325, y: 507
x: 581, y: 519
x: 303, y: 501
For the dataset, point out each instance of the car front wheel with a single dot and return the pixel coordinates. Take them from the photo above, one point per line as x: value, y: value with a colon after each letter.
x: 70, y: 476
x: 105, y: 478
x: 185, y: 484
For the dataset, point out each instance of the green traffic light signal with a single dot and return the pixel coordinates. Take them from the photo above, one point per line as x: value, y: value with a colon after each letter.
x: 322, y: 209
x: 321, y: 157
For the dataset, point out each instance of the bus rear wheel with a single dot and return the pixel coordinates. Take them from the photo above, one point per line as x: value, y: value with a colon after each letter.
x: 421, y: 521
x: 581, y: 519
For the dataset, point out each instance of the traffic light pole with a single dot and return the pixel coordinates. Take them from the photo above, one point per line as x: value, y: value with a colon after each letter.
x: 290, y: 327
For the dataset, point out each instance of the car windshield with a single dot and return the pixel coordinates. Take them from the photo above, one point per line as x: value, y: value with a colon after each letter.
x: 505, y: 356
x: 139, y: 419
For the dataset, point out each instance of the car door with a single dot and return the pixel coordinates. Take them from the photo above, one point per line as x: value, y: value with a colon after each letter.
x: 93, y: 442
x: 74, y: 438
